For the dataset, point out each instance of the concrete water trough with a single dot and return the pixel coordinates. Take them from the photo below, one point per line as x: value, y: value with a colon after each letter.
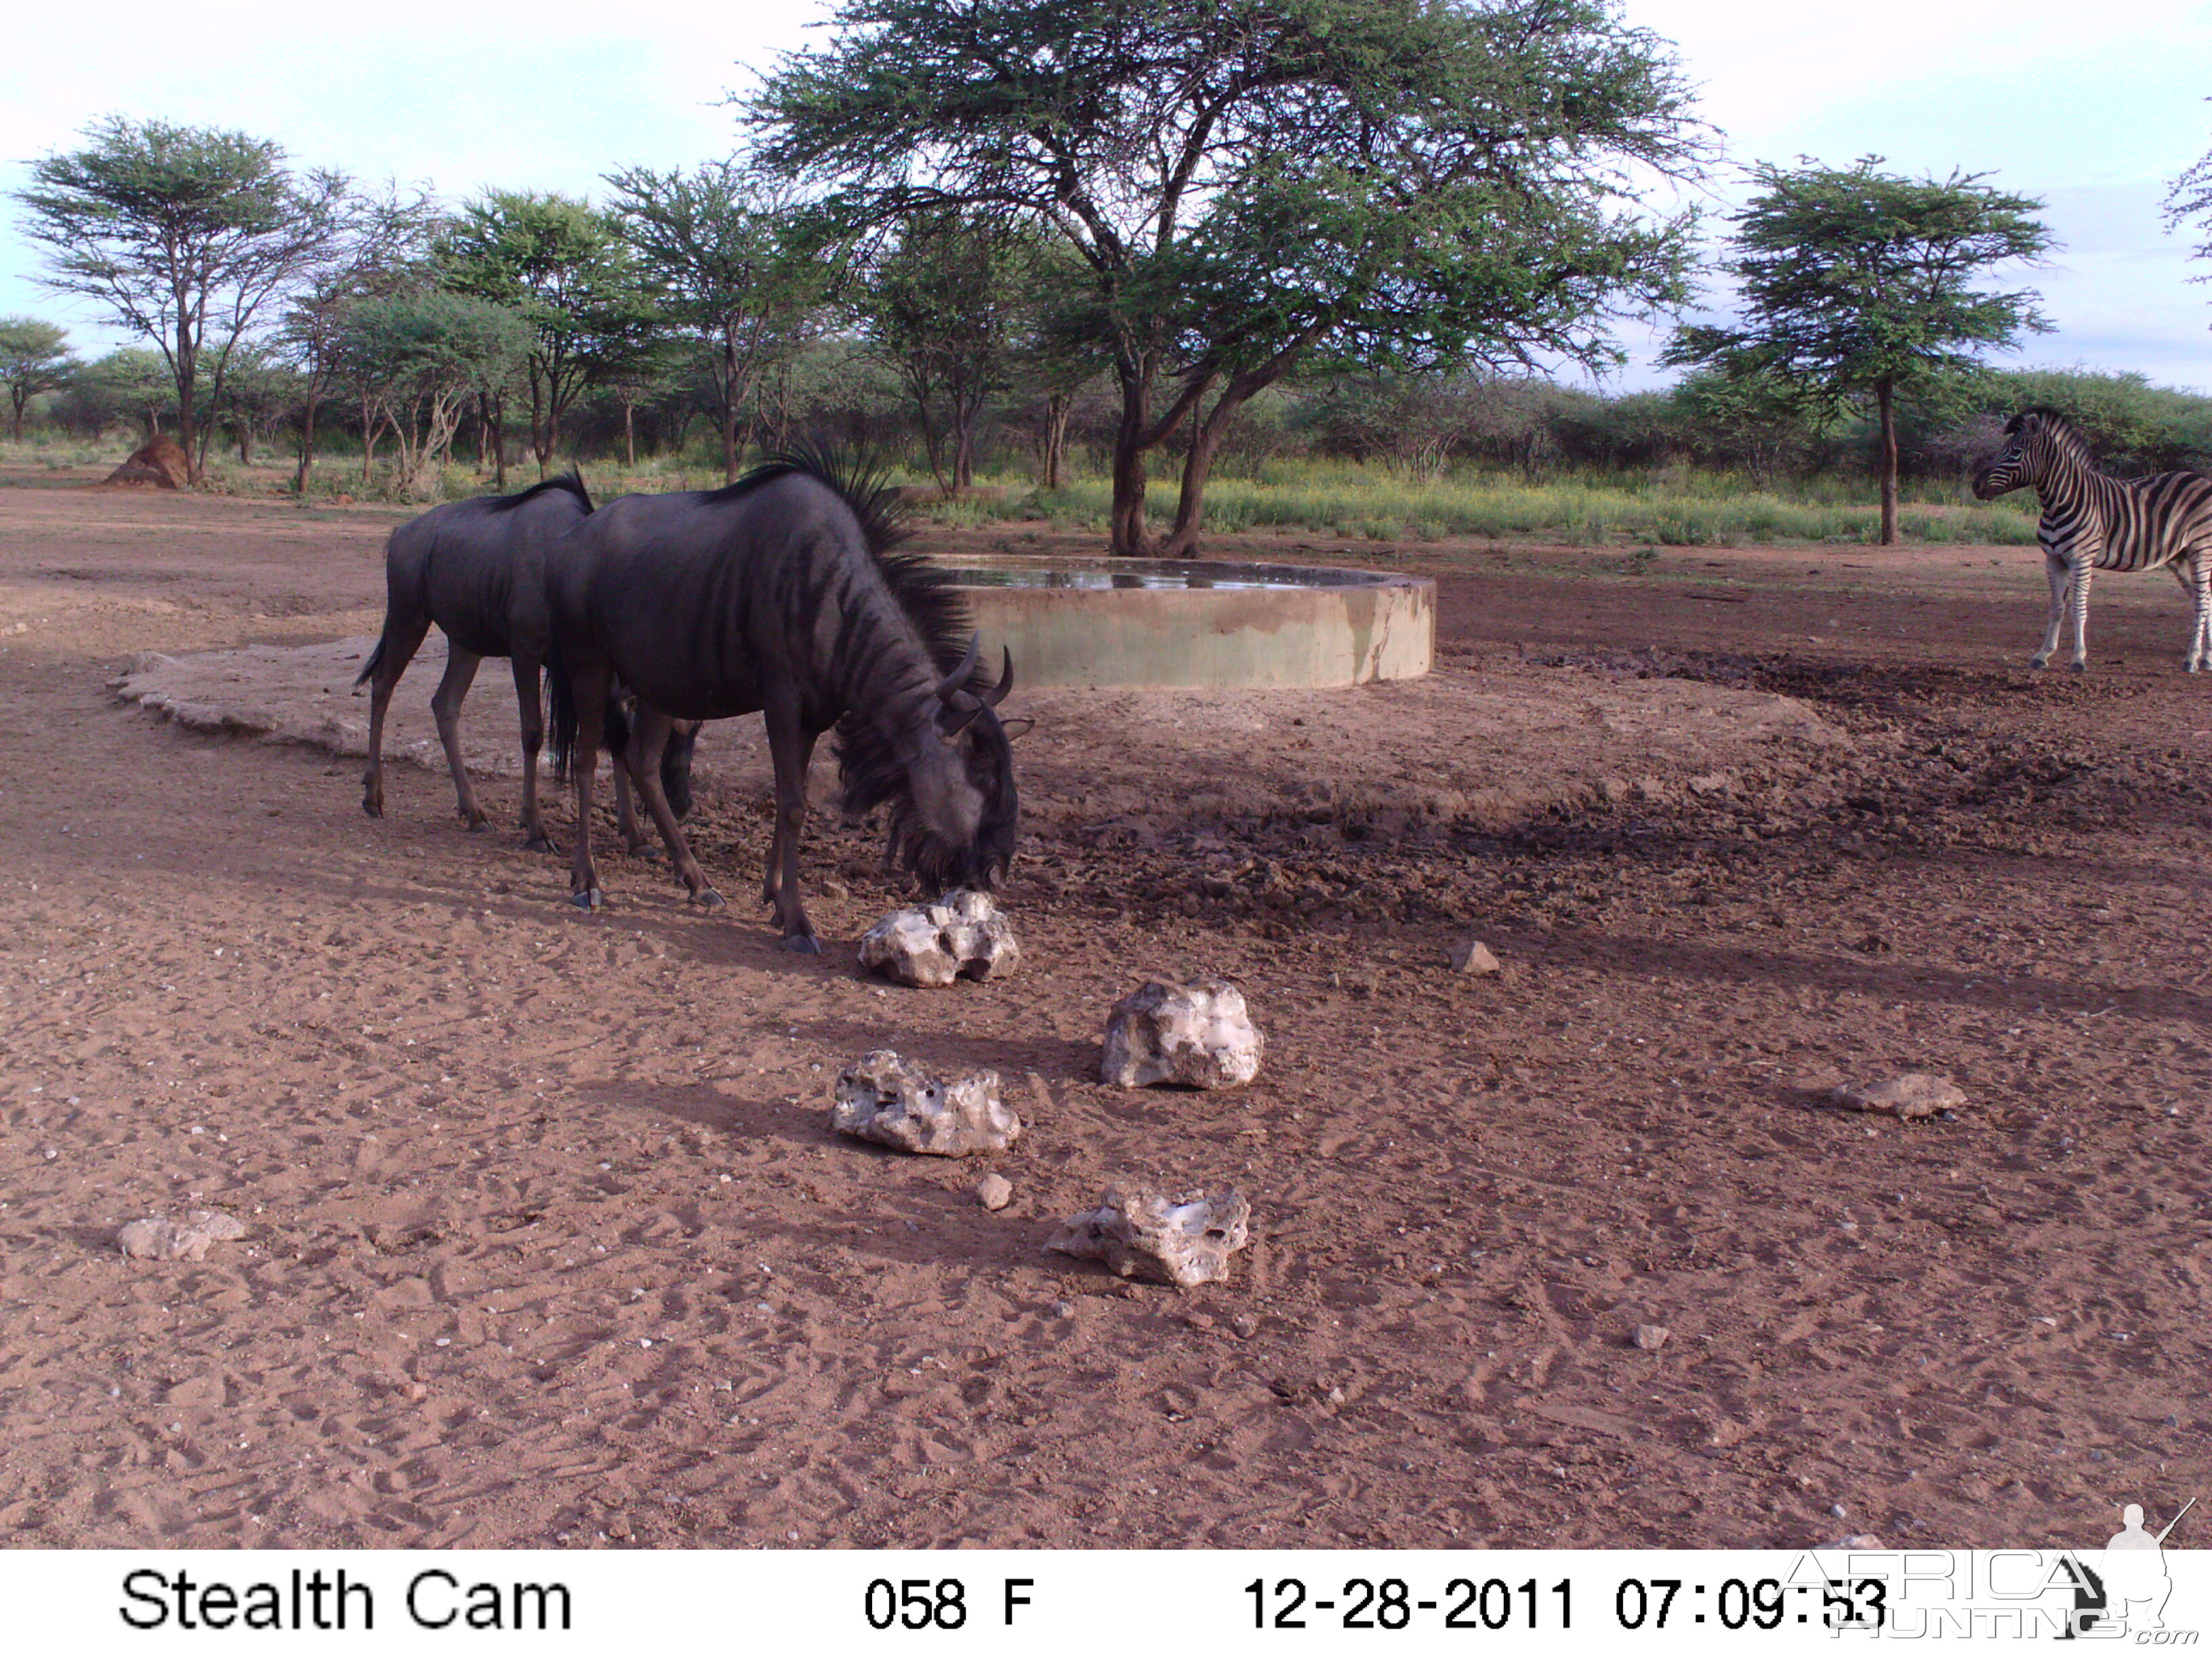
x: 1193, y: 623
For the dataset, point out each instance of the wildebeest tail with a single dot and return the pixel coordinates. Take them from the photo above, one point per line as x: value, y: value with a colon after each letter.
x: 560, y: 712
x: 375, y: 659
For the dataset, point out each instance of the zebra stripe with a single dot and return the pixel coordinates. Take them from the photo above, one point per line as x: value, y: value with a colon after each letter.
x: 2091, y: 521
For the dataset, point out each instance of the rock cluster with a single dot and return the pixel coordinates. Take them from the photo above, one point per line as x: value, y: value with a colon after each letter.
x: 1140, y: 1234
x: 1198, y: 1036
x: 158, y: 1238
x: 963, y: 935
x: 884, y: 1097
x: 1917, y: 1094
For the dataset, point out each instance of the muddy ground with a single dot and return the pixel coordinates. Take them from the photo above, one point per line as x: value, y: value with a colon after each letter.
x: 550, y: 1243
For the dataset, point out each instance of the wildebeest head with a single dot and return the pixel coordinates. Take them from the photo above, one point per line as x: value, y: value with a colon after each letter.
x: 953, y: 804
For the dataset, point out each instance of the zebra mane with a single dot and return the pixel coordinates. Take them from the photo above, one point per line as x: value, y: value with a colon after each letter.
x: 2063, y: 432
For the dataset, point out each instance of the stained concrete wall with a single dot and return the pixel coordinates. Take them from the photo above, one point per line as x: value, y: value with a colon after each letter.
x: 1257, y: 637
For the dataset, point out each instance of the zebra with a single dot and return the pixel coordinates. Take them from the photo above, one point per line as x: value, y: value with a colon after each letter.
x: 2091, y: 521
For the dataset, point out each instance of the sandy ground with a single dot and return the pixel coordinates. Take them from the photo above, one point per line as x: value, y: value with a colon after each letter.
x: 550, y: 1243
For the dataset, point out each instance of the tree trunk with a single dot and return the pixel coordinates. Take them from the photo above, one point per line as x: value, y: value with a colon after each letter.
x: 729, y: 407
x: 19, y: 399
x: 1885, y: 401
x: 1126, y: 534
x: 307, y: 446
x: 1205, y: 438
x: 1057, y: 409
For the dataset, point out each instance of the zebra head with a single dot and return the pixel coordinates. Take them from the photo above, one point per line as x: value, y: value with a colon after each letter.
x: 2039, y: 443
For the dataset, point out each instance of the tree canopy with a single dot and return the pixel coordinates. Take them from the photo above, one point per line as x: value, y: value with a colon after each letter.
x: 34, y: 357
x: 183, y: 234
x: 736, y: 266
x: 564, y: 266
x: 1250, y: 182
x: 1858, y: 285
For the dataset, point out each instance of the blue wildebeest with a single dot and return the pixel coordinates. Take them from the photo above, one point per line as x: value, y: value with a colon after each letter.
x: 477, y: 569
x: 783, y: 593
x: 2091, y: 521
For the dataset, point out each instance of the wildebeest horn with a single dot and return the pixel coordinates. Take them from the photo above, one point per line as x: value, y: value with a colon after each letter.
x: 997, y: 693
x: 958, y: 677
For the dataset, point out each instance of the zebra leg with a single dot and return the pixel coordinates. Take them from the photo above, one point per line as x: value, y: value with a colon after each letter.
x: 2055, y: 574
x: 2194, y: 575
x: 2078, y: 609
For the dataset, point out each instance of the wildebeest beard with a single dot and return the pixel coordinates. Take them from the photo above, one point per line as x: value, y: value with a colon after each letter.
x: 872, y: 773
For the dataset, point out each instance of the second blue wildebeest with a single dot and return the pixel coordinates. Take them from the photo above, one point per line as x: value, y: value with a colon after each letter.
x: 477, y: 568
x: 783, y: 593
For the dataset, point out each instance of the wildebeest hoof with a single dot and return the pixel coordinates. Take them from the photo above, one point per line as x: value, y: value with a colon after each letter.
x: 539, y: 842
x: 477, y: 826
x: 590, y: 899
x: 646, y: 849
x: 707, y: 899
x: 805, y: 944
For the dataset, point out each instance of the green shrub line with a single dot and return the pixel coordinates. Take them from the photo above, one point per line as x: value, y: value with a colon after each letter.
x: 1674, y: 508
x: 1666, y: 506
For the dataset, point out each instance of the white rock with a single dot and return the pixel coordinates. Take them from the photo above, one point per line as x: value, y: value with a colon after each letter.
x: 1140, y: 1234
x: 157, y: 1238
x: 1917, y: 1094
x: 994, y: 1192
x: 963, y: 935
x: 1198, y: 1036
x: 884, y: 1098
x: 1651, y: 1338
x: 1473, y: 957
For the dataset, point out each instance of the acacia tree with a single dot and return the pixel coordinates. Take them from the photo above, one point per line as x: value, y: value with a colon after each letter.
x: 946, y: 308
x: 737, y: 266
x: 566, y: 269
x: 1249, y: 182
x: 1858, y: 286
x: 34, y: 357
x: 379, y: 248
x: 415, y: 360
x: 2189, y: 198
x: 185, y: 234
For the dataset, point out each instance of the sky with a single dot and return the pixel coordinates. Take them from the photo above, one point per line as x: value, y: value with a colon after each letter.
x: 2096, y: 121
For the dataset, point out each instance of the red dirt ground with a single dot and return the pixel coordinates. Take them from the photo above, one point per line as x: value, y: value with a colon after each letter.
x: 550, y: 1243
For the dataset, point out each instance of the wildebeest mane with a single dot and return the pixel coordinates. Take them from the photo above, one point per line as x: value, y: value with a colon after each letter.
x: 571, y: 482
x: 925, y: 592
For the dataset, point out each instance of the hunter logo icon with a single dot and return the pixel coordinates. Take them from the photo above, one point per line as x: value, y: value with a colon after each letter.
x: 2128, y: 1589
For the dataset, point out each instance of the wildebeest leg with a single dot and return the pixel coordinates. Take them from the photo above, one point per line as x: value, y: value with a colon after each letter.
x: 531, y: 702
x: 588, y: 686
x: 446, y: 704
x: 626, y: 815
x: 403, y: 637
x: 641, y: 757
x: 790, y: 745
